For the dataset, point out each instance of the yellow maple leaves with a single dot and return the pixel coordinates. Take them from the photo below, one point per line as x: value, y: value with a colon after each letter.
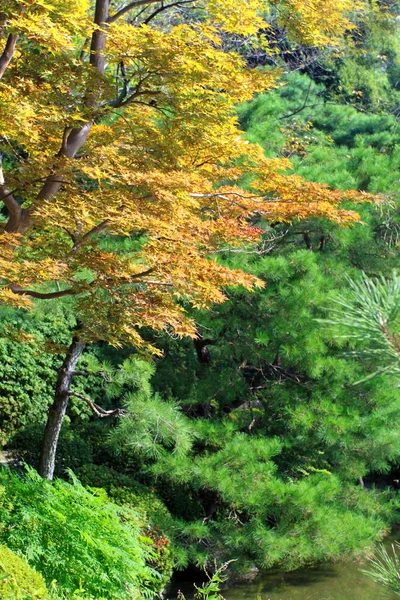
x: 155, y: 187
x: 317, y: 22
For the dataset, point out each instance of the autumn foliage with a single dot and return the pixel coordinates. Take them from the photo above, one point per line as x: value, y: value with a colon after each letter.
x: 123, y: 162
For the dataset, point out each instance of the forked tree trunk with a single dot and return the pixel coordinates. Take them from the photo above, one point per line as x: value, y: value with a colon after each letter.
x: 58, y: 409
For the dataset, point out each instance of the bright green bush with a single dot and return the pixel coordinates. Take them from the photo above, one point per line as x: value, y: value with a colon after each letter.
x: 18, y: 581
x: 274, y: 473
x: 157, y: 524
x: 80, y: 540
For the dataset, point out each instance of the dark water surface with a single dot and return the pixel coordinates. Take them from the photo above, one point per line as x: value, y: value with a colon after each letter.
x: 338, y: 581
x: 341, y: 581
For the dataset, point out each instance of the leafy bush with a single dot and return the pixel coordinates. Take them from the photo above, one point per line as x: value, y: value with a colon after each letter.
x: 18, y: 581
x: 103, y: 476
x: 80, y: 539
x: 126, y: 491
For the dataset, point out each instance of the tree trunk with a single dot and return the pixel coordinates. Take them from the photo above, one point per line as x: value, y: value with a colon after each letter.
x: 58, y: 409
x: 21, y: 220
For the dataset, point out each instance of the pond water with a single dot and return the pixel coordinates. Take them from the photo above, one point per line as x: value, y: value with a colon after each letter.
x: 338, y: 581
x: 341, y: 581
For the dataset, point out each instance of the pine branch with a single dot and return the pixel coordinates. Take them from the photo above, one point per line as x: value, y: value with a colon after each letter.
x: 370, y: 314
x: 98, y: 410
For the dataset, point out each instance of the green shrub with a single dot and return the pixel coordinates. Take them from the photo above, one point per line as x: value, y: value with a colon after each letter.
x: 126, y: 491
x: 18, y: 581
x: 79, y: 539
x: 103, y: 476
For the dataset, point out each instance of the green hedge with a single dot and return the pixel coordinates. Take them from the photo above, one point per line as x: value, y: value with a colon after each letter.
x: 18, y: 581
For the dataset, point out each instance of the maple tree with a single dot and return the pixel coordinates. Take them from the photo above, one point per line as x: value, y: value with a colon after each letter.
x: 122, y: 162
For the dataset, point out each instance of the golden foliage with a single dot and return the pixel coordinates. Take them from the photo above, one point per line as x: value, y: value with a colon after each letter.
x: 317, y: 22
x: 157, y: 185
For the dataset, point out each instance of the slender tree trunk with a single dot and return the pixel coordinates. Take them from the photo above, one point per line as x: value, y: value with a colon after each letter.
x: 58, y: 409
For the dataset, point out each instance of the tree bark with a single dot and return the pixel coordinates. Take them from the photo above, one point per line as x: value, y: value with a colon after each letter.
x: 76, y: 137
x: 203, y: 353
x: 58, y: 409
x: 8, y: 53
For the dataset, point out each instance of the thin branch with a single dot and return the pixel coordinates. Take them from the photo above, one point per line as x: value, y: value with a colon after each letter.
x: 41, y: 295
x: 162, y: 8
x: 304, y: 104
x: 84, y: 46
x: 118, y: 103
x: 125, y: 82
x: 225, y: 197
x: 150, y: 104
x: 142, y: 274
x: 102, y: 374
x: 71, y: 235
x: 218, y: 195
x: 90, y: 233
x: 100, y: 412
x: 128, y: 280
x: 153, y: 282
x: 128, y: 7
x: 134, y: 20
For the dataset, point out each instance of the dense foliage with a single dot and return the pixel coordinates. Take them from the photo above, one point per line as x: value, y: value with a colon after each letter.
x: 78, y: 539
x: 28, y: 365
x: 17, y: 579
x: 260, y: 437
x: 123, y: 166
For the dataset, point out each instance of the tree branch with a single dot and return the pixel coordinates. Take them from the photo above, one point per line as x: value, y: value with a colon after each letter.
x: 8, y: 199
x: 41, y: 295
x: 162, y: 8
x: 128, y: 7
x: 8, y: 53
x: 119, y: 103
x: 100, y: 412
x: 154, y: 282
x: 295, y: 112
x: 90, y: 233
x: 64, y: 144
x: 102, y: 374
x: 142, y: 274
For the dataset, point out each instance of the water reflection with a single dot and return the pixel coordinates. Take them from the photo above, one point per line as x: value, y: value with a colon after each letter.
x: 343, y: 581
x: 339, y: 581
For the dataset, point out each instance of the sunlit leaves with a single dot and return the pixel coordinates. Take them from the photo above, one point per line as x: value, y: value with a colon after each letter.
x: 163, y: 166
x: 317, y: 22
